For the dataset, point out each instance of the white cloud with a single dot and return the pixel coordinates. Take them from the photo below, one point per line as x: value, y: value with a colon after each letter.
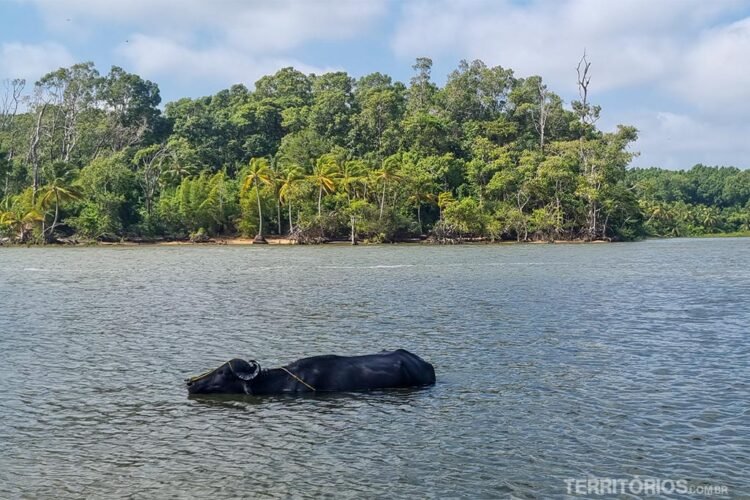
x: 716, y: 74
x: 31, y: 61
x: 222, y: 41
x: 159, y: 56
x: 679, y: 140
x: 253, y: 25
x: 684, y: 52
x: 629, y: 42
x: 278, y: 26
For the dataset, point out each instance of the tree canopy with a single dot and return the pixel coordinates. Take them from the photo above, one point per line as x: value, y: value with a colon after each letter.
x: 488, y: 155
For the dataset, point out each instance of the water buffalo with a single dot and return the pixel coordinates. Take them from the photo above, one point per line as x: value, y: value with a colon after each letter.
x: 398, y: 368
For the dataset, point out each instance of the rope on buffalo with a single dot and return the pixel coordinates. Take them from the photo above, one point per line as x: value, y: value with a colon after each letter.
x: 208, y: 372
x: 299, y: 379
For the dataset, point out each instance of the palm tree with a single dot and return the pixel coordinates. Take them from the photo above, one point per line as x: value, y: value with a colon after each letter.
x: 287, y: 187
x: 259, y: 173
x: 12, y: 221
x: 709, y: 218
x: 351, y: 173
x: 324, y: 177
x: 420, y: 194
x: 277, y: 179
x: 58, y: 190
x: 387, y: 174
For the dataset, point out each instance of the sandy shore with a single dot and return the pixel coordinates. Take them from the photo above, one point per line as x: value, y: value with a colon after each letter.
x: 271, y: 240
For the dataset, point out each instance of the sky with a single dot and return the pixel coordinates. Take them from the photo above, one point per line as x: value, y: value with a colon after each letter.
x: 678, y: 70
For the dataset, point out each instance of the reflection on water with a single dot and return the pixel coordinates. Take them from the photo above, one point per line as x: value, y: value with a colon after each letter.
x: 553, y: 362
x: 322, y: 401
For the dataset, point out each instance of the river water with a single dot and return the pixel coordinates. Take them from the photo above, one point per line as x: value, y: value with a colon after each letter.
x: 554, y: 363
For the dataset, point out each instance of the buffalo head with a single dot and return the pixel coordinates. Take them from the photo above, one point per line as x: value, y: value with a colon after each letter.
x: 234, y: 376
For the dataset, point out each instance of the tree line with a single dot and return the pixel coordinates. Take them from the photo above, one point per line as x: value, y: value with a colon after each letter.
x: 317, y: 157
x: 702, y: 200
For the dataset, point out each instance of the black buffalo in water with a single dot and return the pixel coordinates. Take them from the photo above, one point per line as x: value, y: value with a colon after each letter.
x: 385, y: 370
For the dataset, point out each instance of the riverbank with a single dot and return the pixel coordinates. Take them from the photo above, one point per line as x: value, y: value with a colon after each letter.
x: 414, y: 241
x: 734, y: 234
x: 273, y: 241
x: 278, y: 240
x: 270, y: 240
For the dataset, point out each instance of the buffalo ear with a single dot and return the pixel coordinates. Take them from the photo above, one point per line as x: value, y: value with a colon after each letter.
x: 245, y: 370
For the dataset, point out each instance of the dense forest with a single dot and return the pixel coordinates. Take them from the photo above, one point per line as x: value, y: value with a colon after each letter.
x: 85, y: 156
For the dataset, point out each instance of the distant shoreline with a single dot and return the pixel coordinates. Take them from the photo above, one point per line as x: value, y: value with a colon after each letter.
x: 274, y: 241
x: 286, y: 241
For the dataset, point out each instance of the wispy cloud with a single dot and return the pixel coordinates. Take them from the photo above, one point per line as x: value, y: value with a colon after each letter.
x: 250, y: 25
x: 632, y: 42
x: 715, y: 72
x: 676, y: 69
x: 222, y: 42
x: 680, y: 140
x: 693, y: 62
x: 161, y: 56
x: 31, y: 61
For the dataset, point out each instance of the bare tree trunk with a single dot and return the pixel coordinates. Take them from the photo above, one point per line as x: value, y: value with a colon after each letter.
x: 520, y: 211
x: 6, y: 188
x: 260, y: 213
x: 587, y: 118
x: 278, y: 215
x: 152, y: 173
x: 382, y: 202
x: 33, y: 153
x: 57, y: 211
x: 11, y: 99
x: 604, y: 227
x: 51, y: 229
x: 541, y: 122
x: 69, y: 136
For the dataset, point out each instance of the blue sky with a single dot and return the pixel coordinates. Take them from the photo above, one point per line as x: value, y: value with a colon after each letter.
x: 678, y: 70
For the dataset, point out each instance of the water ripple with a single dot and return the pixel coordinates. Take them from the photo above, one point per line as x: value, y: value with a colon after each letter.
x: 553, y: 362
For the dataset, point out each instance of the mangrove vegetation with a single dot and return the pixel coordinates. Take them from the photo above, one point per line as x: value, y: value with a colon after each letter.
x: 489, y: 155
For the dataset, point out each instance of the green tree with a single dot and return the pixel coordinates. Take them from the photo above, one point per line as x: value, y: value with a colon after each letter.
x: 324, y: 176
x: 382, y: 105
x: 289, y: 189
x: 259, y: 172
x: 134, y: 116
x: 56, y: 191
x: 352, y: 174
x: 152, y: 162
x: 109, y: 198
x: 465, y: 216
x: 476, y: 92
x: 333, y: 107
x: 421, y: 91
x: 387, y: 175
